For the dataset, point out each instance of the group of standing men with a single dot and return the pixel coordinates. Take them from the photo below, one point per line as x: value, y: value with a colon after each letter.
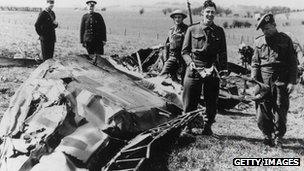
x: 200, y: 50
x: 92, y: 30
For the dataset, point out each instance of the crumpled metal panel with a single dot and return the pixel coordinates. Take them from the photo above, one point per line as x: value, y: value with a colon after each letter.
x: 77, y: 101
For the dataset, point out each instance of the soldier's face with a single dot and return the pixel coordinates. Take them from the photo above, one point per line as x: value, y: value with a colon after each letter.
x: 208, y: 14
x: 50, y: 5
x: 178, y: 19
x: 269, y: 29
x: 91, y: 7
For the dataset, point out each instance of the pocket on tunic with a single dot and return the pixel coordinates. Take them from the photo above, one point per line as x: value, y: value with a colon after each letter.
x: 198, y: 41
x: 264, y: 52
x: 177, y: 41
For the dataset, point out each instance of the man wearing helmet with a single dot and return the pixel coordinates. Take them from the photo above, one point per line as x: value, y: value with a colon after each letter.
x: 173, y: 46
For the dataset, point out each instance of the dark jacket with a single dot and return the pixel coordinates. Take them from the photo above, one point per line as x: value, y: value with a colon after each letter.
x: 45, y: 26
x: 275, y: 55
x: 205, y: 46
x: 93, y: 28
x: 175, y: 39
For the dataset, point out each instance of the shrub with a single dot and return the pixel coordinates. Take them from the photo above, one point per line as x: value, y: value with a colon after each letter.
x: 225, y: 24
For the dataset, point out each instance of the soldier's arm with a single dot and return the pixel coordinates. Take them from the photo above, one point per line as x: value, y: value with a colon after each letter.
x: 82, y: 28
x: 39, y: 22
x: 222, y: 54
x: 167, y: 46
x: 292, y: 63
x: 55, y: 24
x: 186, y: 49
x: 103, y: 29
x: 255, y: 63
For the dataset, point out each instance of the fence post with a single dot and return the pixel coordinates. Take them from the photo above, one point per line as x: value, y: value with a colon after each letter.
x: 138, y: 34
x: 157, y: 36
x: 125, y: 33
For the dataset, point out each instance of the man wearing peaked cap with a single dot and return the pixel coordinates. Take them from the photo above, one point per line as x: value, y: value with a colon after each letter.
x: 93, y: 31
x: 45, y: 27
x: 173, y: 47
x: 274, y: 63
x: 94, y: 2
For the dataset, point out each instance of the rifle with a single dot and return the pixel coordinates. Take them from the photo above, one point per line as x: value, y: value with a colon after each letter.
x: 189, y: 10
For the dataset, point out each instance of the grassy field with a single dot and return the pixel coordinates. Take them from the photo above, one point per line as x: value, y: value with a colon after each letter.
x: 236, y: 132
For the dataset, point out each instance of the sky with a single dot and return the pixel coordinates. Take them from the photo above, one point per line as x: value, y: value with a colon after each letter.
x: 296, y: 4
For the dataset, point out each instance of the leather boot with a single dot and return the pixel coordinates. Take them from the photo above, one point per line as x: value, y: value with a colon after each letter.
x: 207, y: 130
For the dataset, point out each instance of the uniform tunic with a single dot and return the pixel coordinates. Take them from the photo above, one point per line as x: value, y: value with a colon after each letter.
x: 274, y: 63
x: 45, y: 28
x: 174, y: 44
x: 93, y: 33
x: 206, y: 47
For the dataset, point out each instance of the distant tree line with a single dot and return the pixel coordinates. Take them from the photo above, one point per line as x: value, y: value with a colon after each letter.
x: 237, y: 24
x: 85, y: 9
x: 197, y: 11
x: 9, y: 8
x: 277, y: 10
x: 219, y: 10
x: 248, y: 14
x: 166, y: 11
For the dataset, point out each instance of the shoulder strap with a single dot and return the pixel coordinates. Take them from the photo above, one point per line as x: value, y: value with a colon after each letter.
x: 52, y: 18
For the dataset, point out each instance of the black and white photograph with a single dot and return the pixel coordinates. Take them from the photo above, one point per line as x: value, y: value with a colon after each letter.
x: 154, y: 85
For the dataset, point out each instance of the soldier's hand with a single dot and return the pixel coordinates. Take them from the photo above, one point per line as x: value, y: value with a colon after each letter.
x: 290, y: 88
x: 192, y: 66
x: 55, y: 24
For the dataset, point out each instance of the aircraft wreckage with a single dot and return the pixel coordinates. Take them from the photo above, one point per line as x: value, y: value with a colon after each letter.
x: 106, y: 114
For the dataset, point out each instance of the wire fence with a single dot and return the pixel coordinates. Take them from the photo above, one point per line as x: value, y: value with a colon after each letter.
x: 232, y: 38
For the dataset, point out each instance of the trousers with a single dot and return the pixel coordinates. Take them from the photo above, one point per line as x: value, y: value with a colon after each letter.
x: 94, y: 48
x: 47, y: 49
x: 171, y: 67
x: 272, y: 111
x: 194, y: 87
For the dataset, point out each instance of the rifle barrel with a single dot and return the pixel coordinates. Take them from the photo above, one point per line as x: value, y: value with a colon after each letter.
x: 190, y: 13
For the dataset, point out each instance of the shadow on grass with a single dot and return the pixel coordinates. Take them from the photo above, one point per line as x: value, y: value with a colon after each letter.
x: 235, y: 113
x: 238, y: 138
x: 294, y: 144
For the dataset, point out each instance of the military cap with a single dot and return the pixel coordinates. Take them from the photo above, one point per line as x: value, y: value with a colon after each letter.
x: 180, y: 12
x: 90, y: 1
x: 50, y: 1
x: 265, y: 19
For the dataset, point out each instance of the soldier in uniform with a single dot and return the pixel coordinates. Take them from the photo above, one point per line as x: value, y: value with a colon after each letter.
x: 274, y: 63
x: 173, y: 46
x: 45, y: 27
x: 93, y: 31
x: 204, y: 51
